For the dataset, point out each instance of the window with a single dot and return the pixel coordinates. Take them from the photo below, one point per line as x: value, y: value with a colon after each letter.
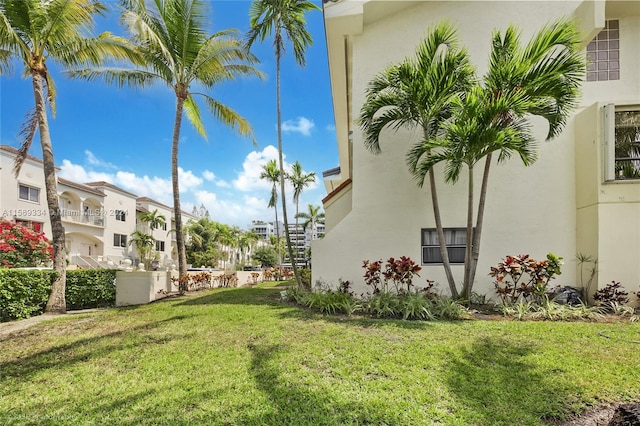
x: 603, y: 54
x: 121, y: 215
x: 164, y: 226
x: 621, y: 142
x: 36, y: 226
x: 28, y: 193
x: 119, y: 240
x: 159, y: 245
x: 456, y: 239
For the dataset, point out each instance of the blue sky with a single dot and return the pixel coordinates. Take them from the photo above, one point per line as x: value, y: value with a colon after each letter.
x: 123, y: 136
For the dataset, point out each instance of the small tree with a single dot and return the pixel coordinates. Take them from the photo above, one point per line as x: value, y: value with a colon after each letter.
x: 21, y: 246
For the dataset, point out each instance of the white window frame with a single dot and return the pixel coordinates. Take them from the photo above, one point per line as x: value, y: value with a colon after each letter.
x: 29, y: 192
x: 160, y: 245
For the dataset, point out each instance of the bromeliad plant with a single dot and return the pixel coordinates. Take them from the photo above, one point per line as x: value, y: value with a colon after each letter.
x: 21, y: 246
x: 522, y: 277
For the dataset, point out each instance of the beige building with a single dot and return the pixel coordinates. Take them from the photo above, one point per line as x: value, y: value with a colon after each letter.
x: 98, y: 217
x: 579, y: 197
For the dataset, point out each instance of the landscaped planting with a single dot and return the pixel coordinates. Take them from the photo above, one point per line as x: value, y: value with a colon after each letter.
x: 242, y: 357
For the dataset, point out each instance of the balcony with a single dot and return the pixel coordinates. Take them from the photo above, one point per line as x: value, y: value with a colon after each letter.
x: 86, y: 218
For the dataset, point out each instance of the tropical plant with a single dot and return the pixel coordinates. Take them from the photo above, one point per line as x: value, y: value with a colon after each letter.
x: 154, y: 219
x: 524, y: 277
x: 312, y: 217
x: 418, y: 93
x: 177, y: 51
x: 299, y: 181
x: 285, y: 20
x: 541, y: 79
x: 143, y: 243
x: 37, y: 33
x: 21, y: 246
x: 271, y: 173
x: 583, y: 260
x: 612, y: 294
x: 265, y: 256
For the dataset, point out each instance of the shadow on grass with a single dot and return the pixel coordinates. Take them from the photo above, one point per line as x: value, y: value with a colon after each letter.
x: 291, y: 402
x: 289, y: 310
x: 63, y: 356
x: 494, y: 383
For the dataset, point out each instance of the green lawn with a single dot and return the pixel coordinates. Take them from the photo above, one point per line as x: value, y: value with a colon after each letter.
x: 240, y: 357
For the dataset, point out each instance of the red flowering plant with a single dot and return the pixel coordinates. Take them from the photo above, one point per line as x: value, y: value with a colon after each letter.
x: 399, y: 272
x: 21, y: 246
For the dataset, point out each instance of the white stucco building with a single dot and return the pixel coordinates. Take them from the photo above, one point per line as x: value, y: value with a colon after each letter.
x: 98, y: 217
x: 572, y: 200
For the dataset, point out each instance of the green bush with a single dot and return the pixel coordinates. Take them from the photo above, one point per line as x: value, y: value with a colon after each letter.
x: 91, y: 288
x: 305, y: 277
x: 23, y: 293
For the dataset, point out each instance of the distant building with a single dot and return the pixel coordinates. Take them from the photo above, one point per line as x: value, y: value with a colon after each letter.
x: 98, y: 217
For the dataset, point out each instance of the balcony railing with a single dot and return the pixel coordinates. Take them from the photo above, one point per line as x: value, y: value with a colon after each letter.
x: 81, y: 217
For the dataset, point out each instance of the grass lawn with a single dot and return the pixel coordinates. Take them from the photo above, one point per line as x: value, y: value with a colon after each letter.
x: 239, y: 357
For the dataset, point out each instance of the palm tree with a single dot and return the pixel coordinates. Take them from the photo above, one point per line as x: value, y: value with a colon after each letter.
x: 154, y: 219
x: 284, y: 19
x: 418, y: 93
x: 299, y: 180
x: 178, y: 52
x: 312, y: 217
x: 144, y: 245
x: 271, y: 173
x: 36, y: 32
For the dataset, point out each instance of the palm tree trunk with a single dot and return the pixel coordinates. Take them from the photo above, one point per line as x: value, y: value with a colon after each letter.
x: 282, y: 176
x: 57, y: 301
x: 277, y: 229
x: 177, y: 211
x: 440, y: 230
x: 479, y: 219
x: 298, y: 231
x: 466, y: 286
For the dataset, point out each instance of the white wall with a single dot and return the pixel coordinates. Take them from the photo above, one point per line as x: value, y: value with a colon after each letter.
x: 529, y: 210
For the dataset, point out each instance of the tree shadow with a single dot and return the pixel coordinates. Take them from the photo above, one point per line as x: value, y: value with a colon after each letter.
x: 66, y: 355
x: 289, y: 310
x: 494, y: 383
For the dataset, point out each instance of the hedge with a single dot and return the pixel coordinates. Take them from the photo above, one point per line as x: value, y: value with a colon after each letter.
x: 24, y: 293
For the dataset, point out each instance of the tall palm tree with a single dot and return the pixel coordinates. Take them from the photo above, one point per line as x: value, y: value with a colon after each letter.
x: 312, y: 217
x: 418, y: 93
x: 179, y: 53
x: 271, y: 173
x: 35, y: 33
x: 299, y: 180
x: 284, y: 19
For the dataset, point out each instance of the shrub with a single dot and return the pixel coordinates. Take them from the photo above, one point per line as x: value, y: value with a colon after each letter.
x: 399, y: 272
x: 523, y: 277
x: 21, y: 246
x: 91, y: 288
x: 23, y: 293
x: 611, y: 294
x: 305, y: 277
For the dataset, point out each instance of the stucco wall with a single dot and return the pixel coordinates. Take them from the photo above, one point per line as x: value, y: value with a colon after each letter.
x: 529, y: 210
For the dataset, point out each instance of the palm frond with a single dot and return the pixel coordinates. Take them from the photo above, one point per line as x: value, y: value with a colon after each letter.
x: 193, y: 114
x: 27, y: 131
x: 229, y: 117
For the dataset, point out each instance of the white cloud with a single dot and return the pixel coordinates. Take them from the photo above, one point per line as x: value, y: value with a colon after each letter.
x: 208, y: 175
x: 249, y: 178
x: 223, y: 184
x: 330, y: 128
x: 300, y: 125
x: 92, y: 160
